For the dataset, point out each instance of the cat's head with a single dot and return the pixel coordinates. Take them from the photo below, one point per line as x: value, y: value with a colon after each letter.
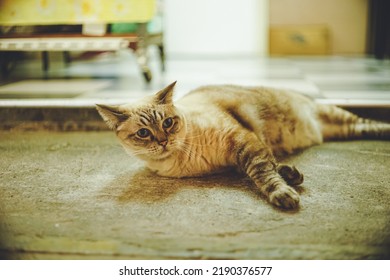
x: 152, y: 128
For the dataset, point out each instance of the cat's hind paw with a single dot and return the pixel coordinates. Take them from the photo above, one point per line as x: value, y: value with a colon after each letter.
x: 284, y: 197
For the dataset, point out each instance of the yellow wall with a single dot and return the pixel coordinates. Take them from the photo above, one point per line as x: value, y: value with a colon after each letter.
x: 346, y: 20
x: 26, y: 12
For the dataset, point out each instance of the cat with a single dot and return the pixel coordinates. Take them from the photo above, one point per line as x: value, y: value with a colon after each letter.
x: 217, y: 127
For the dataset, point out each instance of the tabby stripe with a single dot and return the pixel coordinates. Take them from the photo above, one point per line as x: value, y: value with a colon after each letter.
x: 257, y: 166
x: 239, y: 155
x: 371, y: 130
x: 259, y: 176
x: 271, y: 185
x: 248, y: 159
x: 146, y: 117
x: 154, y: 114
x: 269, y: 178
x: 144, y: 122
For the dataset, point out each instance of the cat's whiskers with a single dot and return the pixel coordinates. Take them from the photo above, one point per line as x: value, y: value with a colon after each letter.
x: 177, y: 145
x: 187, y: 142
x: 137, y: 153
x: 182, y: 145
x: 202, y: 135
x: 188, y: 152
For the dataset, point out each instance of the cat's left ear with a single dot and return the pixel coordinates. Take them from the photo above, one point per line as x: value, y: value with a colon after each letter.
x: 165, y: 96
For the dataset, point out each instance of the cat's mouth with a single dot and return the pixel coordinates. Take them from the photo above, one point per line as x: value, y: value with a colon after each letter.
x: 164, y: 153
x: 160, y: 152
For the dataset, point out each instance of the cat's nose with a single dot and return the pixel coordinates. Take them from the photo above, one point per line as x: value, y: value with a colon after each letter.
x: 163, y: 143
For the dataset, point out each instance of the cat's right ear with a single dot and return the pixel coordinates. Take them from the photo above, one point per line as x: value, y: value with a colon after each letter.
x: 112, y: 115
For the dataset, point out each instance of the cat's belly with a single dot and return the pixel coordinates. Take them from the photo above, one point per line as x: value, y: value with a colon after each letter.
x: 287, y: 138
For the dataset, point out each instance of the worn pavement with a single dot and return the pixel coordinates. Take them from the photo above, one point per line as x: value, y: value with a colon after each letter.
x: 77, y: 195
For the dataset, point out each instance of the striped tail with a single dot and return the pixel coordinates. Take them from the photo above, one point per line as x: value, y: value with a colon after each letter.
x: 339, y: 124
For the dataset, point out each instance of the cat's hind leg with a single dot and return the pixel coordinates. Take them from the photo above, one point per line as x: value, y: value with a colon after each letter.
x: 257, y: 161
x: 290, y: 174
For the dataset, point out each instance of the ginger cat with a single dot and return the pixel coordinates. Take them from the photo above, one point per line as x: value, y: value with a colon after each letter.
x: 216, y: 127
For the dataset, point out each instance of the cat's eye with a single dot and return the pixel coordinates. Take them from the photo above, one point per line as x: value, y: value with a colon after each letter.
x: 143, y: 132
x: 167, y: 123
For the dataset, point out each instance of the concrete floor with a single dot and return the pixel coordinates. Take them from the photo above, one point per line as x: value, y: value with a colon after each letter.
x: 77, y: 195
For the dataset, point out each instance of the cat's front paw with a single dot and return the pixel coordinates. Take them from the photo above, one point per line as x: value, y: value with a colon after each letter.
x: 290, y: 174
x: 285, y: 197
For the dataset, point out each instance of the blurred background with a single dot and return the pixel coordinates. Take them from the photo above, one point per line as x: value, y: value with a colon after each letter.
x: 63, y: 53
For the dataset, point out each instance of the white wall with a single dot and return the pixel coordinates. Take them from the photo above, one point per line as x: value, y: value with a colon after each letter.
x: 218, y: 28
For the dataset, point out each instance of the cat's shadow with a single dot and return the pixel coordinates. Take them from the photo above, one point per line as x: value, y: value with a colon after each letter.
x: 144, y: 186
